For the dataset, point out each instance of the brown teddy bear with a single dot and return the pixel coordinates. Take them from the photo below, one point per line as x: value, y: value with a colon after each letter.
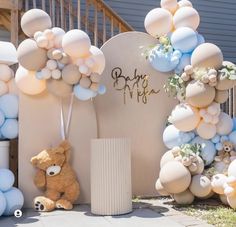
x: 56, y: 177
x: 227, y: 154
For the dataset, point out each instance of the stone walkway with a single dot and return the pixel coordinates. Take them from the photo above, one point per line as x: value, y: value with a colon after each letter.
x: 146, y: 213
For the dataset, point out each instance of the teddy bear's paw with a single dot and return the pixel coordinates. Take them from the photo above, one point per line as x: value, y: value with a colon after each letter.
x: 43, y: 204
x: 64, y: 204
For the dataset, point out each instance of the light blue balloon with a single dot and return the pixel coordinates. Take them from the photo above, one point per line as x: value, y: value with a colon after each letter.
x: 3, y: 203
x: 39, y: 75
x: 200, y: 39
x: 216, y: 139
x: 83, y: 93
x: 208, y: 151
x: 219, y: 146
x: 163, y: 61
x: 7, y: 179
x: 10, y: 129
x: 184, y: 39
x: 224, y: 138
x: 232, y: 137
x: 172, y: 137
x: 234, y: 121
x: 9, y: 104
x: 102, y: 89
x: 2, y: 118
x: 15, y: 201
x: 184, y: 61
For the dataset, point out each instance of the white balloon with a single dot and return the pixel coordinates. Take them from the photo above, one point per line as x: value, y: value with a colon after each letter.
x: 225, y: 124
x: 58, y: 35
x: 99, y: 60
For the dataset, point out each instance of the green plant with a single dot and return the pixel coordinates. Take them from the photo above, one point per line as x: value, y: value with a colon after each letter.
x: 190, y: 149
x: 227, y: 72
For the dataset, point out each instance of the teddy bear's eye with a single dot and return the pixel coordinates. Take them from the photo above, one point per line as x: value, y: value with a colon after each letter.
x: 54, y: 164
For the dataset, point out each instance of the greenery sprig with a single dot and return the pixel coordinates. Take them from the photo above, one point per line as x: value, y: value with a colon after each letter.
x: 227, y: 72
x: 190, y: 149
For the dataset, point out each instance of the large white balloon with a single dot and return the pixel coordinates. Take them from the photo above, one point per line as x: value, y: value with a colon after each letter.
x: 58, y: 35
x: 99, y: 60
x: 27, y: 82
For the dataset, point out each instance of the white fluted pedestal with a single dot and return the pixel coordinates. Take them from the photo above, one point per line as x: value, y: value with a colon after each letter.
x: 111, y: 192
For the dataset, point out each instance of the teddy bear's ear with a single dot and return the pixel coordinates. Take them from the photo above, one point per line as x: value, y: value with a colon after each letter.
x: 59, y: 150
x: 34, y: 161
x: 65, y: 145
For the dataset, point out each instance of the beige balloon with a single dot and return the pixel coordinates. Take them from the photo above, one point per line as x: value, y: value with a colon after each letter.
x: 170, y: 5
x: 184, y: 198
x: 167, y: 157
x: 12, y: 88
x: 95, y: 77
x: 175, y: 177
x: 185, y: 117
x: 200, y: 186
x: 6, y: 73
x: 94, y: 86
x: 3, y: 88
x: 158, y: 22
x: 186, y: 17
x: 71, y: 74
x: 232, y: 169
x: 206, y: 130
x: 200, y: 167
x: 223, y: 199
x: 99, y: 60
x: 217, y: 183
x: 221, y: 96
x: 85, y: 82
x: 232, y: 201
x: 59, y: 88
x: 35, y: 20
x: 184, y: 3
x: 207, y: 55
x: 225, y: 124
x: 27, y: 82
x: 76, y: 43
x: 199, y: 94
x: 225, y: 84
x: 30, y: 56
x: 160, y: 189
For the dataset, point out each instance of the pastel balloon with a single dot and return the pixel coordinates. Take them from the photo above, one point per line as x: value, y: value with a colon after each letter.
x: 225, y: 84
x: 232, y: 169
x: 185, y: 117
x: 199, y: 94
x: 71, y: 74
x: 200, y: 186
x: 102, y: 89
x: 167, y: 157
x: 95, y: 77
x: 201, y: 39
x: 6, y: 73
x: 76, y: 43
x: 173, y: 137
x: 184, y: 3
x: 184, y: 61
x: 207, y: 55
x: 99, y: 60
x: 170, y: 5
x: 184, y: 198
x: 3, y: 203
x: 232, y: 201
x: 186, y: 17
x: 7, y: 179
x: 160, y: 189
x: 83, y: 93
x: 30, y: 56
x: 206, y: 130
x: 94, y: 87
x: 221, y: 96
x: 225, y: 124
x: 208, y: 150
x: 35, y: 20
x: 232, y: 137
x: 14, y: 200
x: 217, y: 183
x: 85, y: 82
x: 175, y: 177
x: 58, y: 35
x: 158, y: 22
x: 2, y: 118
x: 9, y: 105
x: 10, y: 129
x: 3, y: 88
x: 184, y: 39
x: 27, y: 82
x: 59, y: 88
x: 12, y: 88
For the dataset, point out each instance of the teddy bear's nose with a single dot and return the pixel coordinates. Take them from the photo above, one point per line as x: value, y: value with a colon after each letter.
x: 51, y: 173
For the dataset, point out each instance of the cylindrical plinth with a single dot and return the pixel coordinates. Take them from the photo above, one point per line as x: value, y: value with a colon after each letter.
x: 4, y: 154
x: 111, y: 192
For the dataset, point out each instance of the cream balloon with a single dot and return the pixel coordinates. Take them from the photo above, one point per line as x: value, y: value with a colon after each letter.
x: 3, y: 88
x: 99, y: 60
x: 30, y: 56
x: 225, y: 84
x: 95, y: 77
x: 200, y: 167
x: 170, y: 5
x: 27, y: 82
x: 58, y: 35
x: 225, y: 124
x: 223, y: 199
x: 71, y: 74
x: 76, y: 43
x: 207, y: 55
x: 175, y: 177
x: 35, y: 20
x: 217, y: 183
x: 232, y: 169
x: 185, y: 117
x: 221, y: 96
x: 6, y: 73
x: 232, y: 201
x: 184, y: 3
x: 12, y: 88
x: 160, y: 189
x: 158, y: 22
x: 167, y: 157
x: 186, y: 17
x: 59, y: 88
x: 184, y: 198
x: 206, y: 130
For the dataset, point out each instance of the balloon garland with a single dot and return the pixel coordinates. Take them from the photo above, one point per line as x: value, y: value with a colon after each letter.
x: 201, y: 138
x: 57, y: 61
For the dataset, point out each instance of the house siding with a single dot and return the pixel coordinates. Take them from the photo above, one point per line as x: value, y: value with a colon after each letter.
x: 217, y: 20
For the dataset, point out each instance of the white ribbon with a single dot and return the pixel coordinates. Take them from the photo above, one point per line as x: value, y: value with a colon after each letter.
x: 65, y: 131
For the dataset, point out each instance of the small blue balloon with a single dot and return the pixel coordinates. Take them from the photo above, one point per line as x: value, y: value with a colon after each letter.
x: 208, y: 151
x: 39, y: 75
x: 102, y: 89
x: 200, y: 39
x: 2, y: 118
x: 7, y: 179
x: 162, y: 60
x: 219, y: 146
x: 216, y: 139
x: 9, y: 104
x: 232, y: 137
x: 14, y: 201
x: 224, y: 138
x: 10, y: 129
x: 83, y: 93
x: 234, y: 121
x: 184, y: 39
x: 3, y: 203
x: 184, y: 61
